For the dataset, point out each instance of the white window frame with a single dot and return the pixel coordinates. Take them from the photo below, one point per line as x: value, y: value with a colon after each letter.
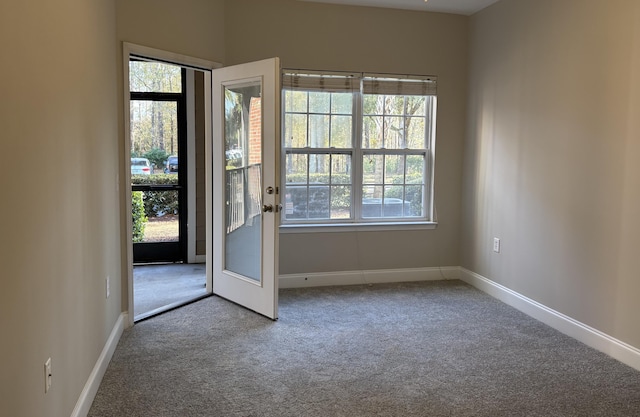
x: 357, y: 222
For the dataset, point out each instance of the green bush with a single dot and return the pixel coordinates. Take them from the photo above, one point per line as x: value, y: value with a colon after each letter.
x: 139, y: 216
x: 158, y: 203
x: 341, y: 198
x: 157, y: 157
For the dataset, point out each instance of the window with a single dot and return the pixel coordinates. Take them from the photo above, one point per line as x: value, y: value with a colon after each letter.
x: 357, y: 148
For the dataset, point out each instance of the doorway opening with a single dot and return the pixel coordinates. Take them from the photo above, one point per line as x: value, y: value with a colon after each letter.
x: 158, y: 133
x: 167, y: 135
x: 207, y: 163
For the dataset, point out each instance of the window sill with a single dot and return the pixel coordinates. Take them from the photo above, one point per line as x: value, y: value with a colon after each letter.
x: 355, y: 227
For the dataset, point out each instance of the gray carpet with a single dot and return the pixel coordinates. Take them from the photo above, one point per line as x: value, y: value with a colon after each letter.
x: 413, y: 349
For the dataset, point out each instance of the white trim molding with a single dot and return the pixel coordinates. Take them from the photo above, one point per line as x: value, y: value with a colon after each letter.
x: 129, y: 49
x: 95, y: 378
x: 360, y: 277
x: 591, y: 337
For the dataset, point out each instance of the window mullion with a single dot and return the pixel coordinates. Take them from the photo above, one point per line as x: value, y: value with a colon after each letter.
x: 404, y: 159
x: 356, y: 181
x: 430, y: 156
x: 308, y: 167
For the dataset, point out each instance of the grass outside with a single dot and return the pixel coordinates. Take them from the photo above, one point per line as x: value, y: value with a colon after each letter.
x: 161, y: 229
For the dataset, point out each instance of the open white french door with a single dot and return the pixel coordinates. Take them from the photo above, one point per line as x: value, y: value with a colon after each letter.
x: 245, y: 175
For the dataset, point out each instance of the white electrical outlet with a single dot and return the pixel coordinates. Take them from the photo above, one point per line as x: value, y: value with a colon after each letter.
x: 47, y: 375
x: 108, y: 286
x: 496, y: 245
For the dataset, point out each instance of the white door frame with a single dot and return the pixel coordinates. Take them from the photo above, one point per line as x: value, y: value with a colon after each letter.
x: 129, y: 49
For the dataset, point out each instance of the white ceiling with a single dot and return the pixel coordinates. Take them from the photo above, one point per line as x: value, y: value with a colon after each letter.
x: 465, y: 7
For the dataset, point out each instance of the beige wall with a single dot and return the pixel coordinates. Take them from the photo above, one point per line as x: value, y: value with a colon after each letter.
x: 189, y: 27
x: 59, y: 210
x: 319, y: 36
x: 552, y: 156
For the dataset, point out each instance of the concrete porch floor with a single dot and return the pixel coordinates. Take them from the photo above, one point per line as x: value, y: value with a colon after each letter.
x: 160, y: 287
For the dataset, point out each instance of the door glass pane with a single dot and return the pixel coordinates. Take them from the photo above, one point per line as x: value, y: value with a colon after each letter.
x: 155, y: 216
x: 157, y: 77
x: 243, y: 193
x: 154, y: 161
x: 154, y: 133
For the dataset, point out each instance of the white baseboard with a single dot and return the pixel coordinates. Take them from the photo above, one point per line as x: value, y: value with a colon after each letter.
x: 93, y: 383
x: 381, y: 276
x: 591, y: 337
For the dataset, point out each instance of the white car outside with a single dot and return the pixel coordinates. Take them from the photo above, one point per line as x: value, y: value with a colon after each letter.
x: 141, y: 166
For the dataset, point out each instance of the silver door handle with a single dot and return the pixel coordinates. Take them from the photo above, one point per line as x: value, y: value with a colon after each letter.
x: 267, y: 208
